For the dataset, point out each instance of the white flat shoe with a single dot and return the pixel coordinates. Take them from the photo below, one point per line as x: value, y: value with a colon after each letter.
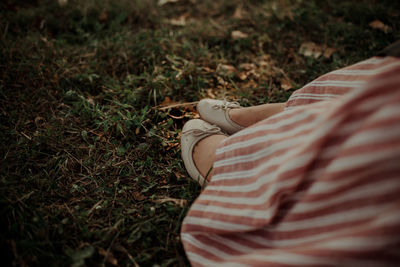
x: 217, y: 112
x: 194, y: 131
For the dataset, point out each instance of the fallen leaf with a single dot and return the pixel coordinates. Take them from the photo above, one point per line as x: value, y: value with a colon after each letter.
x: 238, y: 14
x: 286, y: 84
x: 249, y: 69
x: 221, y: 81
x: 179, y: 175
x: 247, y: 66
x: 379, y: 25
x: 109, y: 256
x: 181, y: 21
x: 138, y: 196
x: 310, y: 49
x: 210, y: 93
x: 78, y: 257
x: 282, y: 10
x: 208, y: 70
x: 328, y: 51
x: 264, y: 61
x: 171, y: 145
x: 250, y: 84
x: 163, y: 2
x: 62, y: 2
x: 44, y: 39
x: 160, y: 78
x: 90, y: 100
x: 40, y: 121
x: 226, y: 69
x: 103, y: 17
x: 238, y: 35
x: 120, y: 248
x: 180, y: 202
x: 242, y: 75
x: 167, y: 101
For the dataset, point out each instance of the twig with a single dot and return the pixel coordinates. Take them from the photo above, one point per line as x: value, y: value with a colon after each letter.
x: 80, y: 163
x: 94, y: 206
x: 26, y: 135
x: 176, y: 105
x: 25, y: 196
x: 122, y: 249
x: 109, y: 247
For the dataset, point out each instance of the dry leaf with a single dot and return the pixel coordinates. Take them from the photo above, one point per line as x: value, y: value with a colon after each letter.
x: 179, y: 175
x: 238, y: 12
x: 120, y: 248
x: 40, y: 121
x: 180, y: 202
x: 247, y: 66
x: 208, y: 70
x: 283, y: 10
x: 286, y: 84
x: 62, y: 2
x: 210, y: 93
x: 90, y: 100
x: 238, y: 35
x: 379, y: 25
x: 226, y: 69
x: 181, y: 21
x: 242, y: 75
x: 103, y: 17
x: 328, y: 51
x: 221, y: 81
x: 264, y: 61
x: 163, y: 2
x: 249, y: 69
x: 310, y: 49
x: 167, y: 101
x: 138, y: 196
x: 160, y: 78
x: 250, y: 84
x: 109, y: 256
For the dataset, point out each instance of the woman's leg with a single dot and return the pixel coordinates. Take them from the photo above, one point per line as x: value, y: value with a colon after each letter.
x: 204, y: 151
x: 251, y: 115
x: 204, y: 154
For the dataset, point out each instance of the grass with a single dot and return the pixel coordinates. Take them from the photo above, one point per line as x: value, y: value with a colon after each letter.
x: 90, y: 162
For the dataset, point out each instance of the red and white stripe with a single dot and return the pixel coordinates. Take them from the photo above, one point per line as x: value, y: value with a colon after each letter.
x: 339, y: 82
x: 316, y: 185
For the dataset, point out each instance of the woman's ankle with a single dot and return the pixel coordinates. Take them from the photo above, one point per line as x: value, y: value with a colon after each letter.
x: 248, y: 116
x: 204, y: 153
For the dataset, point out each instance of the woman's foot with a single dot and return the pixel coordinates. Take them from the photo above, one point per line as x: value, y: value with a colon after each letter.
x: 199, y: 141
x: 217, y: 112
x: 233, y: 118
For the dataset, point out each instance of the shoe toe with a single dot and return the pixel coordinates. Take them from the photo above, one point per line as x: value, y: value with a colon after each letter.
x: 210, y: 114
x: 217, y: 116
x: 188, y: 141
x: 205, y: 106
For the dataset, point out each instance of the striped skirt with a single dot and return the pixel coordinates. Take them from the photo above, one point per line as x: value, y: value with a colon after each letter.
x: 315, y: 185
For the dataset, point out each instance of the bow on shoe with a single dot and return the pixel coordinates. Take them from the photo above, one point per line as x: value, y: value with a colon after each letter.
x: 207, y: 131
x: 225, y: 105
